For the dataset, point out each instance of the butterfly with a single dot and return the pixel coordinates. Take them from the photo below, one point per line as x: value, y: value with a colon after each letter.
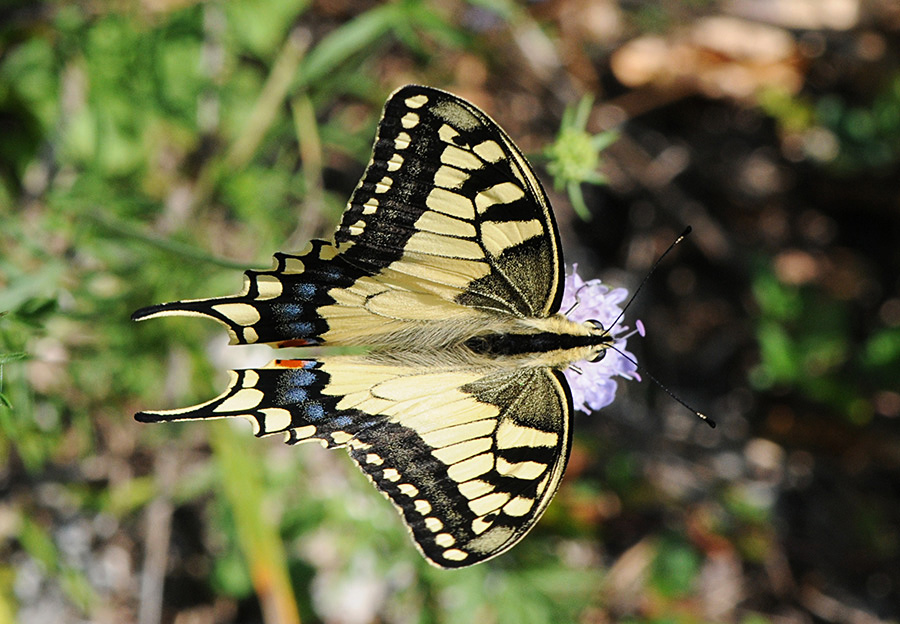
x: 447, y: 269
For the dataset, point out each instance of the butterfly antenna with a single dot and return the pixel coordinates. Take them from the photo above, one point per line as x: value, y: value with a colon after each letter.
x: 709, y: 421
x: 680, y: 238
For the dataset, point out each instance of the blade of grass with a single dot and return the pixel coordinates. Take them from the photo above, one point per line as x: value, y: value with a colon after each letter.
x: 347, y: 40
x: 7, y: 594
x: 270, y: 99
x: 243, y: 486
x: 126, y: 230
x: 312, y: 159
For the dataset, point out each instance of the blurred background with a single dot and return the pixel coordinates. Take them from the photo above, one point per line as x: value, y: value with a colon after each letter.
x: 151, y: 150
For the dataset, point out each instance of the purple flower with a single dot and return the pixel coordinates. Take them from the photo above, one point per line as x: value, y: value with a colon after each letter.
x: 594, y: 387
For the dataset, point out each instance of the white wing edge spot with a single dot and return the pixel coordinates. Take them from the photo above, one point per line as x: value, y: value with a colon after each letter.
x: 408, y: 489
x: 520, y: 470
x: 475, y: 488
x: 489, y: 151
x: 488, y: 503
x: 293, y: 265
x: 503, y: 193
x: 384, y: 186
x: 268, y: 287
x: 471, y: 468
x: 395, y: 162
x: 409, y: 120
x: 240, y: 313
x: 460, y: 158
x: 519, y: 506
x: 449, y: 177
x: 370, y: 206
x: 450, y: 203
x: 303, y: 432
x: 498, y: 236
x: 447, y: 133
x: 455, y: 554
x: 243, y: 400
x: 510, y: 435
x: 341, y: 437
x: 480, y: 525
x: 402, y: 141
x: 416, y: 101
x: 277, y: 419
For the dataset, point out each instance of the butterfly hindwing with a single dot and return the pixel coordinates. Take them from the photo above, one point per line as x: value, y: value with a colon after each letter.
x: 469, y: 459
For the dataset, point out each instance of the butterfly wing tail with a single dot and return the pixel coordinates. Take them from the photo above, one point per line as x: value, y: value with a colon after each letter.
x: 283, y: 397
x: 277, y: 306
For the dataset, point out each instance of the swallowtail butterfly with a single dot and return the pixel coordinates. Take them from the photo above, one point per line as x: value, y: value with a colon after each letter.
x: 447, y: 268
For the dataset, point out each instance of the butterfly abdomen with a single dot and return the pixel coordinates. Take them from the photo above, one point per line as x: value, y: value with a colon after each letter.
x: 499, y: 345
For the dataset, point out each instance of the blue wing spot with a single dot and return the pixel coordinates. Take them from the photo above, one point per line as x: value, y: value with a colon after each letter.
x: 294, y: 395
x: 301, y: 328
x: 314, y: 411
x: 287, y: 311
x: 341, y: 421
x: 332, y: 273
x: 304, y: 292
x: 291, y: 386
x: 299, y: 377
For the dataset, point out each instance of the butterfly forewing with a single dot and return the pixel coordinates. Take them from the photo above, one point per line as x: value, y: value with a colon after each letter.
x: 449, y: 203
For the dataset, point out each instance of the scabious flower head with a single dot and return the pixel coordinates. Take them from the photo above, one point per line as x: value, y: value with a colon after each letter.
x: 594, y: 387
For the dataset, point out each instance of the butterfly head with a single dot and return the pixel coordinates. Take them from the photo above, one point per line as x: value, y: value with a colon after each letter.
x: 606, y: 339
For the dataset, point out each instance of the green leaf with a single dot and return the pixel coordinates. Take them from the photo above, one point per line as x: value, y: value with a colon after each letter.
x: 6, y: 358
x: 346, y: 41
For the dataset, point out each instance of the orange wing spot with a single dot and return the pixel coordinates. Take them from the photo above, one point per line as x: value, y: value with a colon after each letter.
x: 292, y: 363
x: 296, y: 342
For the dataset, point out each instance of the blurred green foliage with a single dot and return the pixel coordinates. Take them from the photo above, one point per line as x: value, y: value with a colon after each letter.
x: 112, y: 113
x: 807, y: 341
x: 850, y: 138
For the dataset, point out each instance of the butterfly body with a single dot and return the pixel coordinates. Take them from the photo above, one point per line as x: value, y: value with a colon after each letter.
x: 445, y: 277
